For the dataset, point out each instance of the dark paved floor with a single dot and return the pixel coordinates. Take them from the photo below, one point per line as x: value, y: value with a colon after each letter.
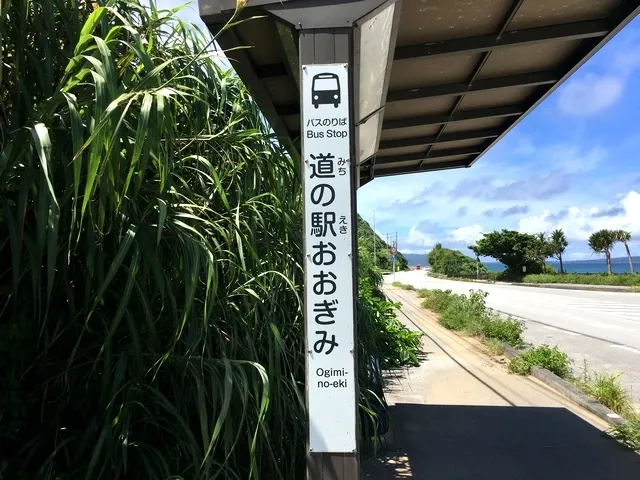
x: 443, y: 442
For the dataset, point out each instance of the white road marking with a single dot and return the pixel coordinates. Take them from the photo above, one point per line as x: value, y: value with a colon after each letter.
x: 628, y: 349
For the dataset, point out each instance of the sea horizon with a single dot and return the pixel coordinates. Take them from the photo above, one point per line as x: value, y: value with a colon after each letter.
x: 578, y: 266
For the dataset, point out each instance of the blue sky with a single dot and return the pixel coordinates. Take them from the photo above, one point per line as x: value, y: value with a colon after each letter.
x: 573, y: 163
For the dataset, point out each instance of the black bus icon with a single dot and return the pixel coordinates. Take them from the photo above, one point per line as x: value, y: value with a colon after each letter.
x: 325, y: 90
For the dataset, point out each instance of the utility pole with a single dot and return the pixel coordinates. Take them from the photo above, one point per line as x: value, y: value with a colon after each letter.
x: 375, y: 259
x: 392, y: 245
x: 394, y: 252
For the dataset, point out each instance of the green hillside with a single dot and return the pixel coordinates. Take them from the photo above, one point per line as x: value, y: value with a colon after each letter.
x: 383, y: 254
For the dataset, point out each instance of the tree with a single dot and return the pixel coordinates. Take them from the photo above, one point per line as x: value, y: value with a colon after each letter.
x: 513, y: 249
x: 559, y: 244
x: 603, y: 241
x: 625, y: 237
x: 545, y: 248
x: 453, y: 263
x: 436, y: 247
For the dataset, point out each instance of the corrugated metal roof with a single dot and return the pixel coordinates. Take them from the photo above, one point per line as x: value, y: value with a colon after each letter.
x: 464, y: 72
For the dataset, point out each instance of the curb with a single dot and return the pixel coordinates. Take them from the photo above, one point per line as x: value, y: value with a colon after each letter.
x: 572, y: 393
x: 568, y: 390
x: 568, y: 286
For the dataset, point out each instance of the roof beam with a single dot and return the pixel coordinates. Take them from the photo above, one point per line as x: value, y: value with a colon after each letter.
x: 449, y: 152
x: 273, y: 70
x: 483, y: 43
x: 493, y: 112
x: 241, y: 62
x: 365, y: 179
x: 427, y: 167
x: 521, y: 80
x: 289, y: 50
x: 288, y: 110
x: 446, y: 137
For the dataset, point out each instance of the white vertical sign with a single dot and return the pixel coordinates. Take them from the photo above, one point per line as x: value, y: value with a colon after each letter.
x: 329, y: 272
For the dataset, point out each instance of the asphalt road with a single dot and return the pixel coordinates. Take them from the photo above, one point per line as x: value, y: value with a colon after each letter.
x: 598, y: 329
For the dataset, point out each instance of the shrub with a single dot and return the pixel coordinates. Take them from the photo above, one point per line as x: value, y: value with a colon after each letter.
x: 553, y: 359
x: 393, y: 343
x: 469, y: 313
x: 435, y: 300
x: 506, y: 330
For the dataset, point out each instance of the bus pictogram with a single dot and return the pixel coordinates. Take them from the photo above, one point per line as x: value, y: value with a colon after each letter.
x: 325, y: 90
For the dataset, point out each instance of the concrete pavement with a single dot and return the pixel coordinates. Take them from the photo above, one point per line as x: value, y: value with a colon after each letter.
x: 460, y: 415
x: 599, y: 328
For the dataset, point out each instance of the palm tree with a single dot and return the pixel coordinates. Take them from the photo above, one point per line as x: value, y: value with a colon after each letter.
x: 544, y: 249
x: 625, y: 237
x: 603, y: 241
x: 558, y: 244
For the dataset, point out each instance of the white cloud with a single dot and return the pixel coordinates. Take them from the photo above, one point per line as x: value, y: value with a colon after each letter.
x: 572, y: 158
x: 590, y: 94
x: 595, y: 92
x: 468, y: 235
x: 190, y: 12
x: 580, y: 222
x: 524, y: 146
x: 578, y: 255
x: 419, y: 239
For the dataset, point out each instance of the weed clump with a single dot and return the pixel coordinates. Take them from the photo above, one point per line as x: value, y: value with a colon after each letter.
x: 404, y: 286
x: 605, y: 388
x: 544, y: 356
x: 469, y: 314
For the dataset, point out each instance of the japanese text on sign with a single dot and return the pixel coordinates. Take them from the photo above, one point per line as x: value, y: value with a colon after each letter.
x: 328, y: 263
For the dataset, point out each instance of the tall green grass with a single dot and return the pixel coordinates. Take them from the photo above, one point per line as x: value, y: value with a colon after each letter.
x: 150, y: 257
x: 606, y: 389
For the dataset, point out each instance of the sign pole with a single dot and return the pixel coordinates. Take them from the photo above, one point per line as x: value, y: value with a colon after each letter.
x: 394, y: 250
x: 329, y: 172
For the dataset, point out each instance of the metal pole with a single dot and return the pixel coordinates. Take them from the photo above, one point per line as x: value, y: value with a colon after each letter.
x: 395, y: 250
x: 375, y: 260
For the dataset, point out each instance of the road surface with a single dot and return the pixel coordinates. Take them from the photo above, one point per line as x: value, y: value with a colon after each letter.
x: 598, y: 329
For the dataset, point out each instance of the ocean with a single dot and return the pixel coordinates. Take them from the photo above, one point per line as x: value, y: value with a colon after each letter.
x: 617, y: 266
